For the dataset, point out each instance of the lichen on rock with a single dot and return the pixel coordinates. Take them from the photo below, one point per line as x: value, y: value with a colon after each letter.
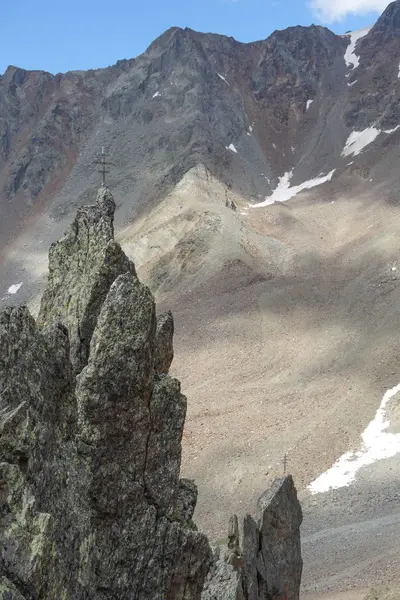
x: 82, y: 266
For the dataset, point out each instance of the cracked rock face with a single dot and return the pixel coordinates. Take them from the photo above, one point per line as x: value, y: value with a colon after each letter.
x: 91, y: 503
x: 82, y: 266
x: 164, y: 342
x: 268, y: 566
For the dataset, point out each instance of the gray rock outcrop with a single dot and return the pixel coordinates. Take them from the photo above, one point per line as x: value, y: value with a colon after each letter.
x: 164, y: 342
x: 91, y: 503
x: 268, y: 566
x: 82, y: 266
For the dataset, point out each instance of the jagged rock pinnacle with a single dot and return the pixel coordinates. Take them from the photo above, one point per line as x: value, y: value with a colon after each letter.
x: 91, y: 503
x: 82, y: 266
x: 268, y: 564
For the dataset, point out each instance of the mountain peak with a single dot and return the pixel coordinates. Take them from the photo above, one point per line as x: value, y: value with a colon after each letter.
x: 15, y: 74
x: 389, y: 22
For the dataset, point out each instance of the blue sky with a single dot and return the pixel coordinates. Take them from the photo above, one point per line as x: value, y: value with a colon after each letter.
x: 62, y: 35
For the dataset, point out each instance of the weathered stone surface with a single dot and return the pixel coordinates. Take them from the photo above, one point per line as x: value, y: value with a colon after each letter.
x: 279, y: 562
x: 8, y: 591
x: 164, y: 352
x: 223, y: 582
x: 82, y: 266
x: 233, y: 534
x: 184, y: 502
x: 269, y: 564
x: 385, y: 592
x: 91, y: 504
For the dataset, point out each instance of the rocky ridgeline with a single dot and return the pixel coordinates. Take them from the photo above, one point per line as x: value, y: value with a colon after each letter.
x: 91, y: 502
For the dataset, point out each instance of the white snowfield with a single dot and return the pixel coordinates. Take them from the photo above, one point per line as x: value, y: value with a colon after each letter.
x: 350, y: 57
x: 156, y: 95
x: 358, y: 140
x: 13, y: 289
x: 284, y: 192
x: 309, y: 102
x: 377, y: 445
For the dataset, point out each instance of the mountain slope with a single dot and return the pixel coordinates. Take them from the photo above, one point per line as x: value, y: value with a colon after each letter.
x: 248, y: 112
x: 287, y: 314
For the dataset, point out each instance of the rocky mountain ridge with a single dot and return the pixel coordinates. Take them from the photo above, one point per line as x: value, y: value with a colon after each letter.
x: 296, y: 300
x: 248, y: 112
x: 91, y: 502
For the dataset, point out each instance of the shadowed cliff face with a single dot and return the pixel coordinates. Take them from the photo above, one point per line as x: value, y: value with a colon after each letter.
x: 267, y: 563
x: 374, y: 98
x: 248, y: 112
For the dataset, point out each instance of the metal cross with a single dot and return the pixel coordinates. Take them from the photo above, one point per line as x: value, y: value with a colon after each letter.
x: 104, y: 164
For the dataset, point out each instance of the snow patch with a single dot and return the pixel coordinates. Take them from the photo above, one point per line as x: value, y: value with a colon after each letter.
x: 231, y: 147
x: 399, y: 72
x: 350, y: 57
x: 309, y: 102
x: 284, y: 192
x: 358, y: 140
x: 223, y: 78
x: 352, y: 83
x: 156, y: 95
x: 250, y: 128
x: 377, y: 445
x: 391, y: 130
x: 13, y: 289
x: 274, y: 145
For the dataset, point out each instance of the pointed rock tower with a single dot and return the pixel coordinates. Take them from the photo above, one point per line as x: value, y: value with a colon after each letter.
x: 91, y: 503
